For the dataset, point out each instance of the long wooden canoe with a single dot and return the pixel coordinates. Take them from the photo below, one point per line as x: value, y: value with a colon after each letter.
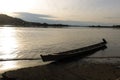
x: 76, y: 52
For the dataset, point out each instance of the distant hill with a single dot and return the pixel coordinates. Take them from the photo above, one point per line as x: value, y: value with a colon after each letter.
x: 7, y: 20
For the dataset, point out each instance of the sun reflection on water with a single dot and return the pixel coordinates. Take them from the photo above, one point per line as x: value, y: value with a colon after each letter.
x: 8, y: 42
x: 8, y: 65
x: 8, y: 46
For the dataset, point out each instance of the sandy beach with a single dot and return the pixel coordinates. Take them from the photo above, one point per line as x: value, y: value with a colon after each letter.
x: 68, y: 71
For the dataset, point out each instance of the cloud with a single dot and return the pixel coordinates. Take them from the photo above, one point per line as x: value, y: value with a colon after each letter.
x: 27, y: 14
x: 33, y: 17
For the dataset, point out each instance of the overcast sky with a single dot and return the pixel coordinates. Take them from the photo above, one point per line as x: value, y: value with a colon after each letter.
x: 71, y: 11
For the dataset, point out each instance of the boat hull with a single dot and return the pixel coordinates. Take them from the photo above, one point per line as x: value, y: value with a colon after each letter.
x: 81, y: 52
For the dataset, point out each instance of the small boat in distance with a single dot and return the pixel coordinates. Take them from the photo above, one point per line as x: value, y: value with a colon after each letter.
x: 76, y: 52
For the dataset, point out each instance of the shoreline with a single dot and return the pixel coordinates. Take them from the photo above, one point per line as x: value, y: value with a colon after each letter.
x: 107, y: 27
x: 68, y: 71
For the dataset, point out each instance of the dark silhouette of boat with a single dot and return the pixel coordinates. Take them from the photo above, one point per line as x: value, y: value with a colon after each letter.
x: 82, y: 52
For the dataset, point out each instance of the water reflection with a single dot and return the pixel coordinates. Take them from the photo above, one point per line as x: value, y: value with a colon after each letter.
x: 8, y: 42
x: 8, y: 45
x: 8, y: 65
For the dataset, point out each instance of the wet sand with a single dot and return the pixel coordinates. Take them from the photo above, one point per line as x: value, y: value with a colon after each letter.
x: 69, y: 71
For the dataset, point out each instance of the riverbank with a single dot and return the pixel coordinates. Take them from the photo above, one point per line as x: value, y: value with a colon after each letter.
x: 69, y: 71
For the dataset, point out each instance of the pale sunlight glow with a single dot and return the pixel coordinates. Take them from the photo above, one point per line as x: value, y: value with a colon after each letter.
x: 8, y: 43
x: 16, y: 5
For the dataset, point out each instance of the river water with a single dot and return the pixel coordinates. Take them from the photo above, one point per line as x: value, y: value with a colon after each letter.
x: 19, y: 42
